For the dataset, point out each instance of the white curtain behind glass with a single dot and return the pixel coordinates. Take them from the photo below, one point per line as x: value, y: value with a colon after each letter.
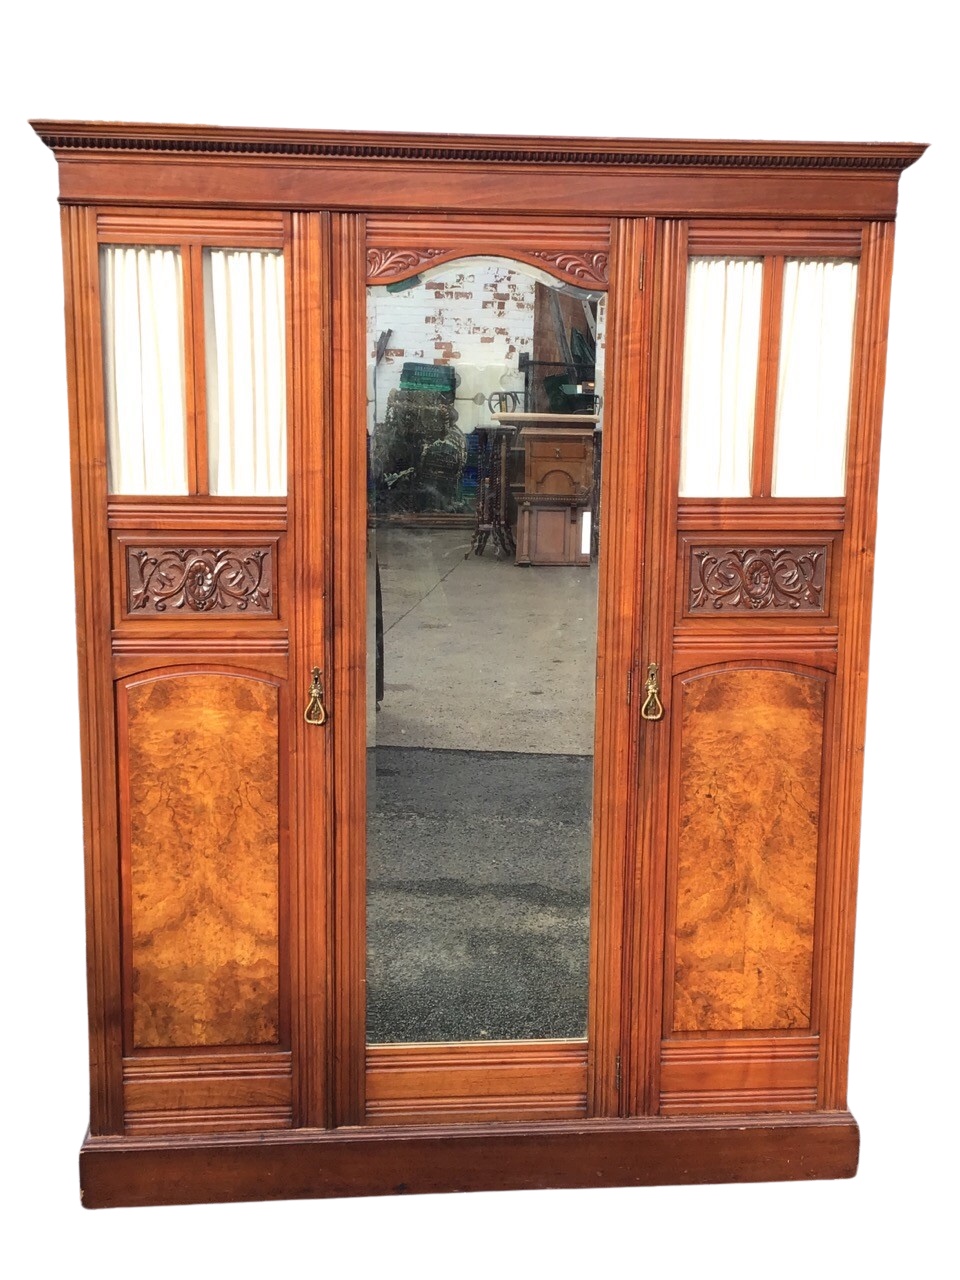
x: 813, y: 392
x: 246, y: 371
x: 141, y: 292
x: 721, y: 350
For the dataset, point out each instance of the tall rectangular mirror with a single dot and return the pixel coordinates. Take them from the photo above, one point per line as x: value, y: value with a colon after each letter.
x: 485, y: 428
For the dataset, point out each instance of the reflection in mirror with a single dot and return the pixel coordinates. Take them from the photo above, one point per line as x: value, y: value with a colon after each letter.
x: 484, y: 445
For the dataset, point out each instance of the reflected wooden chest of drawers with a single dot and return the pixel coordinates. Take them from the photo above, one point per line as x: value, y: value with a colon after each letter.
x: 557, y: 499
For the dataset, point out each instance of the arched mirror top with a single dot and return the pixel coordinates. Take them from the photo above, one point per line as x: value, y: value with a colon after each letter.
x: 580, y: 268
x: 489, y: 333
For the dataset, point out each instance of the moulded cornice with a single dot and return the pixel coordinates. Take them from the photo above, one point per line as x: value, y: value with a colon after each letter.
x: 74, y: 137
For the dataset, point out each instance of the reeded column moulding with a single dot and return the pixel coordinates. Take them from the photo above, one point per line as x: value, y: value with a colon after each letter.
x: 226, y: 831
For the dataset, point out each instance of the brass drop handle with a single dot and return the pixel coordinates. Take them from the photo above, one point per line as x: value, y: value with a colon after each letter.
x: 652, y: 708
x: 316, y: 712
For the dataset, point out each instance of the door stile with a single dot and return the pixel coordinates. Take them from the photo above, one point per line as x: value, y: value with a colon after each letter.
x: 98, y: 739
x: 348, y: 684
x: 308, y: 521
x: 856, y: 591
x: 644, y: 1009
x: 615, y: 799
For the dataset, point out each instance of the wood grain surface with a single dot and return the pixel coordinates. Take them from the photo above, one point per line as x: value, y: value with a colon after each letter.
x: 703, y: 1075
x: 481, y: 1157
x: 202, y: 826
x: 749, y: 798
x: 147, y: 165
x: 452, y: 1083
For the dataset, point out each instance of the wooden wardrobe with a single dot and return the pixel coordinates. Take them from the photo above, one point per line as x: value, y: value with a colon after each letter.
x: 223, y: 651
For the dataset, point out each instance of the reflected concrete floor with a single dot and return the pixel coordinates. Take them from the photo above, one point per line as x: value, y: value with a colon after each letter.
x: 479, y: 795
x: 479, y: 654
x: 479, y: 895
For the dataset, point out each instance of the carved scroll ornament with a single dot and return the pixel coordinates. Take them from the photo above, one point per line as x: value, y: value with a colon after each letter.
x: 777, y: 579
x: 388, y: 263
x: 232, y: 579
x: 586, y: 266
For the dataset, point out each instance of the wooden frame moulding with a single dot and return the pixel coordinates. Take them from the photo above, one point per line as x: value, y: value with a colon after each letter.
x: 516, y: 1080
x: 328, y: 198
x: 618, y: 891
x: 88, y: 449
x: 856, y: 590
x: 195, y: 166
x: 311, y: 644
x: 348, y: 690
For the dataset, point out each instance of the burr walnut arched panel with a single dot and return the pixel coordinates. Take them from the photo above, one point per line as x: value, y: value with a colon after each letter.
x: 747, y: 765
x: 200, y: 809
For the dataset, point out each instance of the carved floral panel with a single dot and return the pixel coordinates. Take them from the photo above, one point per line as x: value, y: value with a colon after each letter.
x: 771, y: 579
x: 199, y: 580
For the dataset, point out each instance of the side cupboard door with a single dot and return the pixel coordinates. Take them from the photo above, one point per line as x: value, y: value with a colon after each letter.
x: 192, y: 459
x: 759, y: 529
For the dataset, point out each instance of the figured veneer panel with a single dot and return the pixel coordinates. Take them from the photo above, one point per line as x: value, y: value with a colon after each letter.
x: 748, y: 776
x: 201, y: 826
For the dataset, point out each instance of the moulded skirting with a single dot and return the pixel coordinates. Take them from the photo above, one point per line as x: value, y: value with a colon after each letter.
x: 306, y: 1164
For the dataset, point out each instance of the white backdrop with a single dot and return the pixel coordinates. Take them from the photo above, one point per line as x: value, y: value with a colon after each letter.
x: 736, y: 70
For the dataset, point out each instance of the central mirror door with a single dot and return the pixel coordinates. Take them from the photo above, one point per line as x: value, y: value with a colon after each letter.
x: 485, y: 529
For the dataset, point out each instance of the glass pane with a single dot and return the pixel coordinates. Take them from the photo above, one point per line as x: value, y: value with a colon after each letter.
x: 245, y: 327
x: 813, y: 391
x: 721, y: 350
x: 484, y: 439
x: 141, y: 298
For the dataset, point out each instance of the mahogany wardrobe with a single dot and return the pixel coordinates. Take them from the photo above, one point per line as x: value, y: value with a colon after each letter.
x: 474, y: 547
